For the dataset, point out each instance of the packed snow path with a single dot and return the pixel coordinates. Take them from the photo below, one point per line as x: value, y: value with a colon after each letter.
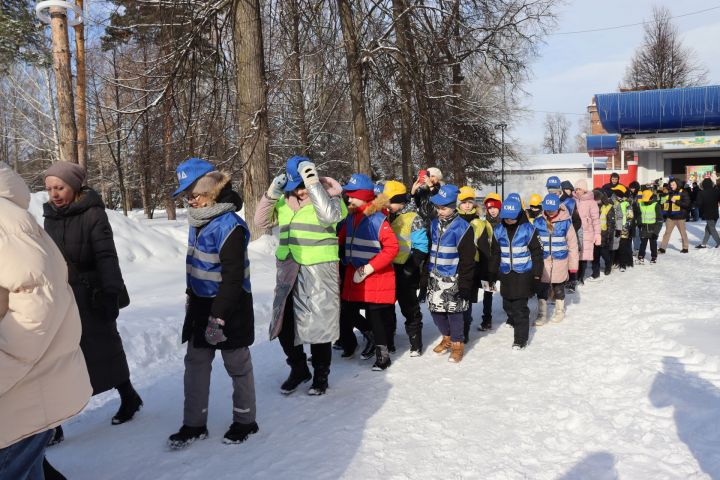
x: 628, y: 386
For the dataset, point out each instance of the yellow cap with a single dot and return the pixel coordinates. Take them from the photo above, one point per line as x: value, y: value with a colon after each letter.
x: 466, y: 193
x: 535, y: 200
x: 620, y: 188
x: 393, y: 188
x: 646, y: 196
x: 492, y: 196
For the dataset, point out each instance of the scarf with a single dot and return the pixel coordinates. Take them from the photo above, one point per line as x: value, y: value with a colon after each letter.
x: 199, y: 217
x: 445, y: 222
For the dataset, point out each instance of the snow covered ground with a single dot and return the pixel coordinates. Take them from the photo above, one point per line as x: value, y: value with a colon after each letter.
x: 628, y: 386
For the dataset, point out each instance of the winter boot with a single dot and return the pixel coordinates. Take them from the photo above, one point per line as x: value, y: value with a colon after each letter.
x: 186, y: 436
x: 416, y: 345
x: 320, y: 380
x: 369, y: 349
x: 641, y: 261
x: 541, y: 318
x: 239, y: 432
x: 58, y: 436
x: 466, y: 329
x: 299, y: 373
x: 661, y: 250
x: 382, y: 358
x: 50, y: 472
x: 444, y: 345
x: 559, y: 313
x: 130, y: 404
x: 457, y: 349
x: 486, y: 323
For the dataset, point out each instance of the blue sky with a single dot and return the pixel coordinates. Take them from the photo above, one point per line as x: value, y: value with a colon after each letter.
x: 572, y: 68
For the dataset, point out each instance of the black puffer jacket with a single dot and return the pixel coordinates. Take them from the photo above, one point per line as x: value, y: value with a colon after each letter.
x: 516, y: 285
x: 708, y: 200
x: 83, y: 233
x: 425, y: 208
x: 681, y: 199
x: 232, y: 304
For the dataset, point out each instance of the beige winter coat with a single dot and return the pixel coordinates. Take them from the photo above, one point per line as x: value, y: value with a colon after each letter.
x: 43, y: 377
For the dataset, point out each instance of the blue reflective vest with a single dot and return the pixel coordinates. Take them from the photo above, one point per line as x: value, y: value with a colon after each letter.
x: 444, y: 255
x: 202, y: 263
x: 570, y: 205
x: 515, y: 257
x: 362, y: 242
x: 554, y: 243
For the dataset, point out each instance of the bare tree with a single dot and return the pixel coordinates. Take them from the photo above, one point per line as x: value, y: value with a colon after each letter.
x: 584, y: 128
x: 557, y: 133
x: 662, y: 61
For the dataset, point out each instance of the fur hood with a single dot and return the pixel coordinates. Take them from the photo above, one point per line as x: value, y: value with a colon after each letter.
x: 378, y: 205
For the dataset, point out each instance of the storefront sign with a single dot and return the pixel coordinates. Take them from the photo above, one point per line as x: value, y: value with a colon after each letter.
x: 695, y: 173
x: 689, y: 142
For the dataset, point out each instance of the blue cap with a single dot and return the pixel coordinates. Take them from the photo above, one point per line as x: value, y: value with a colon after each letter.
x: 514, y: 196
x: 551, y: 203
x: 359, y: 181
x: 447, y: 195
x: 189, y: 171
x: 511, y: 208
x: 293, y: 175
x: 554, y: 183
x: 378, y: 189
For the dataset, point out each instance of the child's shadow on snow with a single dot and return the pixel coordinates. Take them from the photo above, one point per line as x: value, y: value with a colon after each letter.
x: 598, y: 466
x: 697, y: 411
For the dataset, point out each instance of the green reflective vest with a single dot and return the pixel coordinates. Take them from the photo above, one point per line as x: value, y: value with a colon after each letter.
x: 402, y: 226
x: 478, y: 226
x: 647, y: 213
x: 302, y: 235
x: 604, y: 210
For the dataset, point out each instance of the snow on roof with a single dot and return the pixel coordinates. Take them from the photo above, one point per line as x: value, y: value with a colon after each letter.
x: 558, y: 161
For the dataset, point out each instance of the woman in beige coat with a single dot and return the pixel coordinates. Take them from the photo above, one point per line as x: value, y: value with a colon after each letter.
x: 43, y: 377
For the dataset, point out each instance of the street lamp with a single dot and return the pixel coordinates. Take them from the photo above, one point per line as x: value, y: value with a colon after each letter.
x: 502, y: 127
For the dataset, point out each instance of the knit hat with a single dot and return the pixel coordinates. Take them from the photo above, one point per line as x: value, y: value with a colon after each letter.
x: 293, y: 175
x: 395, y: 191
x: 435, y: 172
x: 510, y: 209
x: 551, y: 203
x: 447, y: 195
x: 364, y: 195
x: 553, y: 182
x: 582, y: 184
x: 492, y: 203
x: 466, y: 193
x: 566, y: 185
x: 359, y: 181
x: 535, y: 200
x: 70, y: 173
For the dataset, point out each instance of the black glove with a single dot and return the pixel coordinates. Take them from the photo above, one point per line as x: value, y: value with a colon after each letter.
x: 465, y: 294
x: 110, y: 306
x: 618, y: 233
x: 538, y: 286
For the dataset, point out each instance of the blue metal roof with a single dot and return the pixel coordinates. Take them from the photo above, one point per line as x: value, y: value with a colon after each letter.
x: 602, y: 144
x: 695, y: 108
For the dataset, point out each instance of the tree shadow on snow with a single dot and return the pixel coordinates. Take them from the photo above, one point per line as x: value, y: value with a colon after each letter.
x: 598, y: 466
x: 696, y: 404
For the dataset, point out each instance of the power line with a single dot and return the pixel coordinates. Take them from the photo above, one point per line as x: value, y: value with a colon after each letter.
x: 633, y: 24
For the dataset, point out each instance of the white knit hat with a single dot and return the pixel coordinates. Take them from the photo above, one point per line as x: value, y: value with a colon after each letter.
x: 435, y: 172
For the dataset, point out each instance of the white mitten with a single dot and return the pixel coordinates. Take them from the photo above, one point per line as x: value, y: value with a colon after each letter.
x: 275, y: 191
x: 308, y: 173
x: 362, y: 273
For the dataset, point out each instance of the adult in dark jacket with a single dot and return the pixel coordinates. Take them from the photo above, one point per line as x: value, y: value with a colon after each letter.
x: 516, y: 287
x: 219, y: 313
x: 707, y: 201
x: 607, y: 234
x: 694, y: 209
x: 75, y: 218
x: 420, y: 193
x: 614, y: 181
x: 676, y: 208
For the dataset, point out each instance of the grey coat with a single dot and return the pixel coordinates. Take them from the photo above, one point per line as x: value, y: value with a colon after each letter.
x: 315, y: 288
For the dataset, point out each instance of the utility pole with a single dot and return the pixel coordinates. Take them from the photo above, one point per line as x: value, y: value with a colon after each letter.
x: 55, y: 13
x: 502, y: 127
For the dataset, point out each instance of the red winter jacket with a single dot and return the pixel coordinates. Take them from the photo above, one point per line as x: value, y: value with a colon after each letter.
x: 379, y: 287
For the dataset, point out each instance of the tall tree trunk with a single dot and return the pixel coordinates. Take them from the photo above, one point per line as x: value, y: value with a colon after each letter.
x: 53, y: 117
x: 407, y: 46
x: 252, y: 104
x: 80, y: 92
x: 457, y: 122
x: 297, y: 94
x: 63, y: 80
x: 168, y: 166
x: 357, y: 96
x: 405, y: 94
x: 124, y: 194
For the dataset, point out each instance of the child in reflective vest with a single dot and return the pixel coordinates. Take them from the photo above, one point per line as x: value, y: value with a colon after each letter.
x: 411, y: 233
x: 623, y: 223
x: 492, y: 204
x: 452, y: 272
x: 517, y: 256
x: 369, y: 246
x: 560, y: 256
x: 649, y: 215
x: 607, y: 234
x: 482, y: 233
